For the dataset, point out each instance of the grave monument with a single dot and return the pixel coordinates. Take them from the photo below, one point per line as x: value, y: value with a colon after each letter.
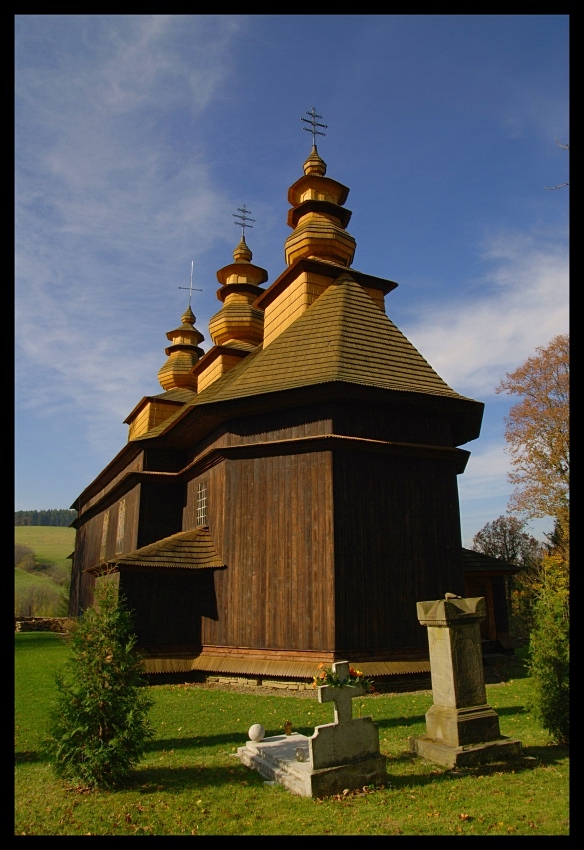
x: 338, y: 756
x: 461, y: 728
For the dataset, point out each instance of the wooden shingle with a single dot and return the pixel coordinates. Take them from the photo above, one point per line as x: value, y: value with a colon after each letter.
x: 191, y: 550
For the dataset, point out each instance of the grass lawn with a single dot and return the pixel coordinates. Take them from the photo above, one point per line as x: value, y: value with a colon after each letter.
x: 190, y: 783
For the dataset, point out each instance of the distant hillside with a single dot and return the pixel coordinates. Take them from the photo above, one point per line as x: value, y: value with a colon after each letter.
x: 50, y: 545
x: 52, y: 516
x: 42, y: 570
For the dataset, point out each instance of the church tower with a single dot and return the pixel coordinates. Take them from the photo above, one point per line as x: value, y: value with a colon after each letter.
x: 238, y: 327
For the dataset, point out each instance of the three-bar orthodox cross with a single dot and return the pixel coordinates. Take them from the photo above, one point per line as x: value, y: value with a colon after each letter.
x: 314, y: 124
x: 243, y: 217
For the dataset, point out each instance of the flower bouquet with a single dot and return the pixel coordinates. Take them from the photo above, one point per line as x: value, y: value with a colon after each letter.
x: 328, y: 677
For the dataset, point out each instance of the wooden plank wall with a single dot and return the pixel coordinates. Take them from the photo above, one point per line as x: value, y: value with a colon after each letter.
x: 169, y: 604
x: 275, y: 535
x: 161, y: 508
x: 88, y: 547
x: 397, y: 542
x: 392, y: 423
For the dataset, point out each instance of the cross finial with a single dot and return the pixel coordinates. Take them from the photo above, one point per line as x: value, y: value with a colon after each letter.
x: 190, y: 288
x: 314, y: 124
x: 242, y: 215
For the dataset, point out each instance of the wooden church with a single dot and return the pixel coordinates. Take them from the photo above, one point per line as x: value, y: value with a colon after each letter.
x: 292, y: 492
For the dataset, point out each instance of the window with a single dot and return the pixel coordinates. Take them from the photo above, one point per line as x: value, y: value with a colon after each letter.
x: 120, y: 531
x: 104, y: 536
x: 202, y: 503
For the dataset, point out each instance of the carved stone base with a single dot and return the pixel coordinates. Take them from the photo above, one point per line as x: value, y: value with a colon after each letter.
x: 275, y: 759
x: 432, y: 749
x: 461, y: 727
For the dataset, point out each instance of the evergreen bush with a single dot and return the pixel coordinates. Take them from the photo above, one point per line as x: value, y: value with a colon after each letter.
x: 550, y: 653
x: 99, y: 725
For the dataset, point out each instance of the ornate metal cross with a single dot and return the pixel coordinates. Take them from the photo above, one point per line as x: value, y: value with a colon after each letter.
x: 314, y: 124
x: 243, y: 215
x: 341, y: 696
x: 191, y: 287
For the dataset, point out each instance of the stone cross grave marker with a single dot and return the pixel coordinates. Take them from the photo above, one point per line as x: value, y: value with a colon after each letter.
x: 342, y: 697
x: 339, y: 755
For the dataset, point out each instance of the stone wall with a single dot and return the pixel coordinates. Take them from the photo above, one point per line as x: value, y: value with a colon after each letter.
x: 42, y: 624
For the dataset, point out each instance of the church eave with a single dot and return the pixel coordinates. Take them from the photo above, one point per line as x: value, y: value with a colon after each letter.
x: 200, y: 418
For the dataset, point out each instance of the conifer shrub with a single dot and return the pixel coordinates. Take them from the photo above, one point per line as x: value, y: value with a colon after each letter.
x: 550, y: 653
x: 99, y: 724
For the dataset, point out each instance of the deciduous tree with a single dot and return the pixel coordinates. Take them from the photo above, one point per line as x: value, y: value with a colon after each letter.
x: 537, y: 433
x: 505, y: 538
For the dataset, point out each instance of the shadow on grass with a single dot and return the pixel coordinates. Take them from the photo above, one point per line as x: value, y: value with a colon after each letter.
x: 178, y: 779
x: 532, y: 758
x: 152, y: 780
x: 400, y: 722
x: 230, y: 739
x: 511, y: 709
x: 30, y: 756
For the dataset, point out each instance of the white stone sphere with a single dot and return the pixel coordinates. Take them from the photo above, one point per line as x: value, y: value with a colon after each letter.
x: 256, y: 732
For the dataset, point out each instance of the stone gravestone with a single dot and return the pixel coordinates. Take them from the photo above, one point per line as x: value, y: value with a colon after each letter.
x: 340, y: 755
x: 461, y: 728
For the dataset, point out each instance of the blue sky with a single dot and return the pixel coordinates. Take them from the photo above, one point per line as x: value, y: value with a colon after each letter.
x: 138, y: 136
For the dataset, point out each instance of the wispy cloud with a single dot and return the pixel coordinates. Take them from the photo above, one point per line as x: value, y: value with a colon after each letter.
x: 521, y: 302
x: 105, y: 196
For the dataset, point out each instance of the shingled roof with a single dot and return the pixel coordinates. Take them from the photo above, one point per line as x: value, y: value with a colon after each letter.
x: 342, y: 337
x: 191, y: 550
x: 477, y: 562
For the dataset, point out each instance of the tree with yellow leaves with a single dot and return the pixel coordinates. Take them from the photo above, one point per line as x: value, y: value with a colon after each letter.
x: 537, y: 433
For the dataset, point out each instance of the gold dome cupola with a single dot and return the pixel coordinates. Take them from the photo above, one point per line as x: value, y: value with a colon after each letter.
x: 183, y: 354
x: 239, y: 324
x: 317, y: 215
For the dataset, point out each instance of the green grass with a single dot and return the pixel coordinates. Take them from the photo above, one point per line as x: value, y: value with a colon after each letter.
x: 43, y: 592
x: 23, y: 579
x: 190, y: 783
x: 51, y: 544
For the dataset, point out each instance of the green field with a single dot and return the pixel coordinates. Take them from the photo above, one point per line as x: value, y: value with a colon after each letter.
x: 51, y: 544
x: 43, y: 592
x: 189, y: 783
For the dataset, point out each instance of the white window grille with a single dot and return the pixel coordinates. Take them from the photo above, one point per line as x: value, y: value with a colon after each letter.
x: 202, y: 503
x: 121, y: 524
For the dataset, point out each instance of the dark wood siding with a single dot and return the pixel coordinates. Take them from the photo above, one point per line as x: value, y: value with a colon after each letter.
x: 271, y: 520
x: 168, y: 604
x: 393, y: 423
x: 161, y: 506
x: 397, y: 542
x: 88, y: 546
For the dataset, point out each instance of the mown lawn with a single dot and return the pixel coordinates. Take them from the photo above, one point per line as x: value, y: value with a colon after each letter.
x: 191, y: 784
